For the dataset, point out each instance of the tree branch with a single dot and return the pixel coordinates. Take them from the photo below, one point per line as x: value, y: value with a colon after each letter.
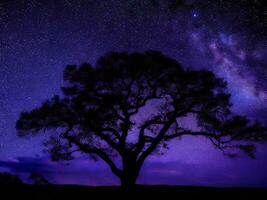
x: 98, y: 152
x: 187, y: 132
x: 142, y: 138
x: 156, y: 141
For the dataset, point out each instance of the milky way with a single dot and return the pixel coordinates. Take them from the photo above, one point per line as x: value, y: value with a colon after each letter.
x: 38, y: 38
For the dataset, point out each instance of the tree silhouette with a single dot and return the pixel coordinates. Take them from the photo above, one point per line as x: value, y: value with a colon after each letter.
x: 38, y: 179
x: 130, y: 105
x: 8, y: 179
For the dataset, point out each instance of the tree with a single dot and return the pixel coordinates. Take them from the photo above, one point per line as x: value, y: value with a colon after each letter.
x: 130, y: 105
x: 38, y: 179
x: 8, y: 179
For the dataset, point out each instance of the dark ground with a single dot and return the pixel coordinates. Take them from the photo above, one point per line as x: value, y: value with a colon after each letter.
x: 110, y: 192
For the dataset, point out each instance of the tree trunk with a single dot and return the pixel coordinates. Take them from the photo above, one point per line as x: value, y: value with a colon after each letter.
x: 128, y: 182
x: 129, y: 175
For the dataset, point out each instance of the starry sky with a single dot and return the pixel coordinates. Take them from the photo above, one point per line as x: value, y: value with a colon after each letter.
x: 39, y: 38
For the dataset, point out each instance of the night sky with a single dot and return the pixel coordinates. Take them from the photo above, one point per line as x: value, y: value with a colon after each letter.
x: 39, y: 38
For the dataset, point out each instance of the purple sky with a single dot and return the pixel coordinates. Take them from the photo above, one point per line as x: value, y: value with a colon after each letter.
x: 38, y: 38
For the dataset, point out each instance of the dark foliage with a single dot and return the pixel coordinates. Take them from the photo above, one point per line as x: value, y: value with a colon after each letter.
x: 8, y: 179
x: 38, y: 179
